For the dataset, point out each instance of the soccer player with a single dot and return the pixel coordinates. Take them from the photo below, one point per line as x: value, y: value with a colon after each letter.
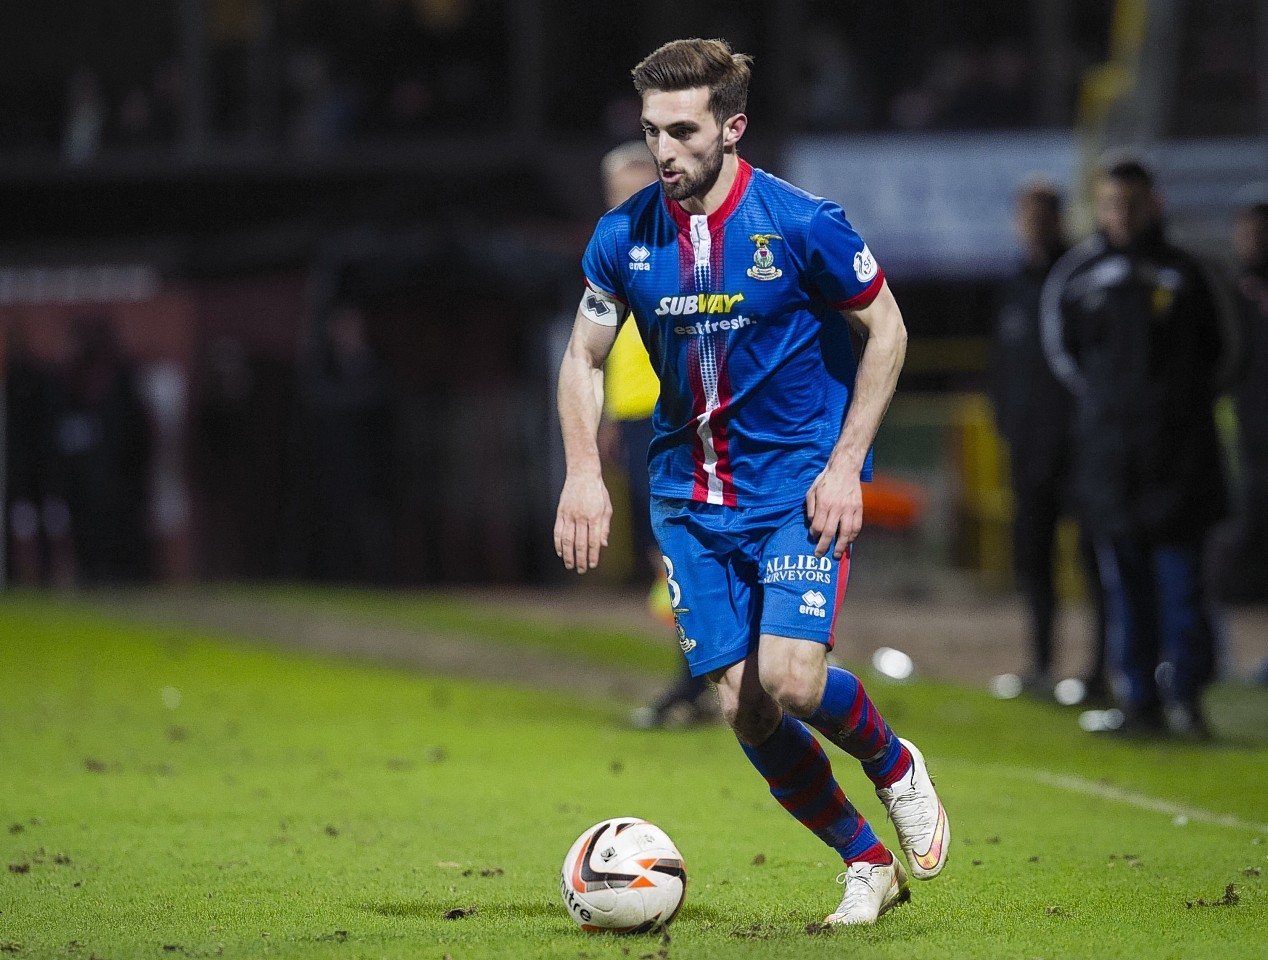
x: 746, y: 290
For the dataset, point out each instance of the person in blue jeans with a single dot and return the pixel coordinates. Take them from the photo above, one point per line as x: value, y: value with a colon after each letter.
x: 1135, y: 328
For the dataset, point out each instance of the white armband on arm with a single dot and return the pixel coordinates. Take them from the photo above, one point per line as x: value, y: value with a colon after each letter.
x: 601, y: 307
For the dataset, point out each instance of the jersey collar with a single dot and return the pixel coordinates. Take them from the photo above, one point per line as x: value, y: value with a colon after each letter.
x: 743, y: 174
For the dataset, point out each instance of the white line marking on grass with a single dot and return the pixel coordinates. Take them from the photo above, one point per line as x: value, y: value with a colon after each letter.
x: 1106, y: 791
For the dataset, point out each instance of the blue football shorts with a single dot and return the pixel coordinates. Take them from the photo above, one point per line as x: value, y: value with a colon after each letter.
x: 736, y: 573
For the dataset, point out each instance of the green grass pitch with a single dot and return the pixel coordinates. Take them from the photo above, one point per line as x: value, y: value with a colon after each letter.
x: 165, y: 793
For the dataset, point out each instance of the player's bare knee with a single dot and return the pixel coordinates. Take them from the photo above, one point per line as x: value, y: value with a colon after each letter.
x: 791, y: 685
x: 796, y: 691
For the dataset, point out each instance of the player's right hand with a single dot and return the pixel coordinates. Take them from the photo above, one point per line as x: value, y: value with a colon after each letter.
x: 582, y: 522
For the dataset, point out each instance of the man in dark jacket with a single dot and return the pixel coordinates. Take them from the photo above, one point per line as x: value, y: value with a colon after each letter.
x: 1133, y: 326
x: 1034, y: 411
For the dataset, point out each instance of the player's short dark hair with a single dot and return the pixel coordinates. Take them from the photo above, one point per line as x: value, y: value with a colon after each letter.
x: 686, y: 64
x: 1129, y: 170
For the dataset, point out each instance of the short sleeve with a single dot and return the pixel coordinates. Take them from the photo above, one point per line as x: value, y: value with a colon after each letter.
x: 839, y: 263
x: 599, y: 262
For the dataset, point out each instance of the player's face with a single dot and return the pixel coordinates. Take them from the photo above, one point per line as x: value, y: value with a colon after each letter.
x: 1124, y: 210
x: 685, y: 139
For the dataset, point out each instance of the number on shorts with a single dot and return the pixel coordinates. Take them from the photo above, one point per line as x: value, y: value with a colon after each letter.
x: 675, y: 591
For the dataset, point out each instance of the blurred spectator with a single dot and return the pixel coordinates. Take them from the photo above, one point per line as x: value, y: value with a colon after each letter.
x: 1133, y: 327
x: 1245, y: 573
x: 103, y: 448
x: 969, y: 89
x: 392, y: 68
x: 84, y: 122
x: 1008, y: 92
x: 1219, y: 62
x: 631, y: 389
x: 834, y: 92
x: 136, y: 117
x: 323, y: 109
x: 165, y: 390
x: 1034, y: 413
x: 149, y: 113
x: 347, y: 431
x: 238, y: 462
x: 38, y: 522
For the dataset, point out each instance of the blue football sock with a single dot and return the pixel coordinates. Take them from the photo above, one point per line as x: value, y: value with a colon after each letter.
x: 848, y: 717
x: 800, y: 778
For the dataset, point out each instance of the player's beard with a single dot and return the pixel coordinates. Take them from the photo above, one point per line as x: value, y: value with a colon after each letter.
x: 702, y: 181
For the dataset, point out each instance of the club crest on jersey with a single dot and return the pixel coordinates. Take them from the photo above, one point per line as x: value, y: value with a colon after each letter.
x: 763, y: 267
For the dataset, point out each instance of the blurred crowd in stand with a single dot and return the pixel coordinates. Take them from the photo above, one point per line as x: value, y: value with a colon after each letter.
x: 315, y: 74
x: 284, y: 479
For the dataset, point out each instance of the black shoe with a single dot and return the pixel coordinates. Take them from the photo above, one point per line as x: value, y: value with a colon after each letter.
x: 1143, y: 722
x: 1096, y: 691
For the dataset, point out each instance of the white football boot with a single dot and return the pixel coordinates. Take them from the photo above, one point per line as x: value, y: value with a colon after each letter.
x: 870, y: 890
x: 921, y: 822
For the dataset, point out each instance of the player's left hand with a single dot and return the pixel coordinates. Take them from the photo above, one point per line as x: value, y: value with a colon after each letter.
x: 834, y: 507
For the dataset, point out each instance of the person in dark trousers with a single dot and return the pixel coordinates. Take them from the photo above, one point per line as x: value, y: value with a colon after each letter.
x: 1132, y: 325
x: 103, y: 447
x: 1245, y: 574
x: 38, y: 520
x: 348, y: 405
x: 1034, y: 414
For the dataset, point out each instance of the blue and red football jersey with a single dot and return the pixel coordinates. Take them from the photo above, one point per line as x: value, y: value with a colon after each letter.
x: 739, y: 311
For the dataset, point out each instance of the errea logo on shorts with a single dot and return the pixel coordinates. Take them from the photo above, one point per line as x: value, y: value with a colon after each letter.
x: 639, y: 257
x: 813, y: 603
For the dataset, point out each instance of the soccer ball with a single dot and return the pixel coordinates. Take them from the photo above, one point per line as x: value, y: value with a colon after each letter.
x: 623, y: 875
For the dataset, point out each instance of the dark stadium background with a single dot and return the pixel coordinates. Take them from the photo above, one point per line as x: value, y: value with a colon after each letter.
x: 208, y: 177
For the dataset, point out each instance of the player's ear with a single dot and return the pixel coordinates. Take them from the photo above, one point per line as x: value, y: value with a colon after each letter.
x: 733, y: 129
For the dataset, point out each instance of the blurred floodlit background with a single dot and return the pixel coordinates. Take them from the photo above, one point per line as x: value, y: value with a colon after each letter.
x: 336, y: 244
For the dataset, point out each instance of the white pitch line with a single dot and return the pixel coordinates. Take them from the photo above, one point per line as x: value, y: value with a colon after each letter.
x: 1106, y: 791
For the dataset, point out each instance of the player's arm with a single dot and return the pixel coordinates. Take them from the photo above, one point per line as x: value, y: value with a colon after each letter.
x: 585, y: 511
x: 834, y: 503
